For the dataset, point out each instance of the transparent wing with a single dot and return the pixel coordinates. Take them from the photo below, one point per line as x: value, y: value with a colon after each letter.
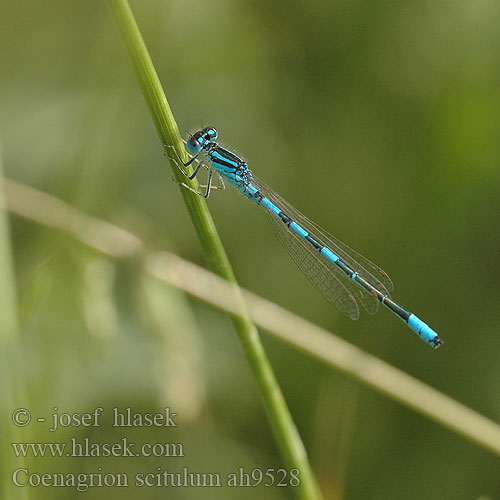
x: 306, y: 258
x: 317, y: 271
x: 380, y: 278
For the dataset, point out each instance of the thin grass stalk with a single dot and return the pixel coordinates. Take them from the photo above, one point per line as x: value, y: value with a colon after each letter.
x: 285, y: 431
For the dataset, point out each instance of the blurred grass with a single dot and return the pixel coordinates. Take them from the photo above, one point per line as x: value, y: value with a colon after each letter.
x: 8, y: 293
x: 378, y: 121
x: 11, y: 387
x: 287, y: 327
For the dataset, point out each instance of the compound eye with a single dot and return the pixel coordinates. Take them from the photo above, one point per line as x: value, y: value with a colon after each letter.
x: 192, y: 145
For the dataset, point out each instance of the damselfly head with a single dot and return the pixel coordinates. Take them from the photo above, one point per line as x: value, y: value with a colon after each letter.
x: 200, y: 139
x: 210, y: 133
x: 192, y: 145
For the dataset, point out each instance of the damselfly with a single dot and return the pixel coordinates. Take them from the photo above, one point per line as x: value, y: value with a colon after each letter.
x: 342, y: 276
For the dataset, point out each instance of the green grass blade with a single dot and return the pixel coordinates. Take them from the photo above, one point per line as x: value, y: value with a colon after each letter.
x: 288, y: 439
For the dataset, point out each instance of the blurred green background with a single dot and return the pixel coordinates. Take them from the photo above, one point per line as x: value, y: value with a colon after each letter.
x: 378, y: 120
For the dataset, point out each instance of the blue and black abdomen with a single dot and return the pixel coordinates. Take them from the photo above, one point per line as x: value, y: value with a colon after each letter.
x: 344, y: 278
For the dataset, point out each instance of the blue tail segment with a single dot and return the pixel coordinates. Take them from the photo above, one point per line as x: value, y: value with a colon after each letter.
x: 424, y: 331
x: 343, y: 277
